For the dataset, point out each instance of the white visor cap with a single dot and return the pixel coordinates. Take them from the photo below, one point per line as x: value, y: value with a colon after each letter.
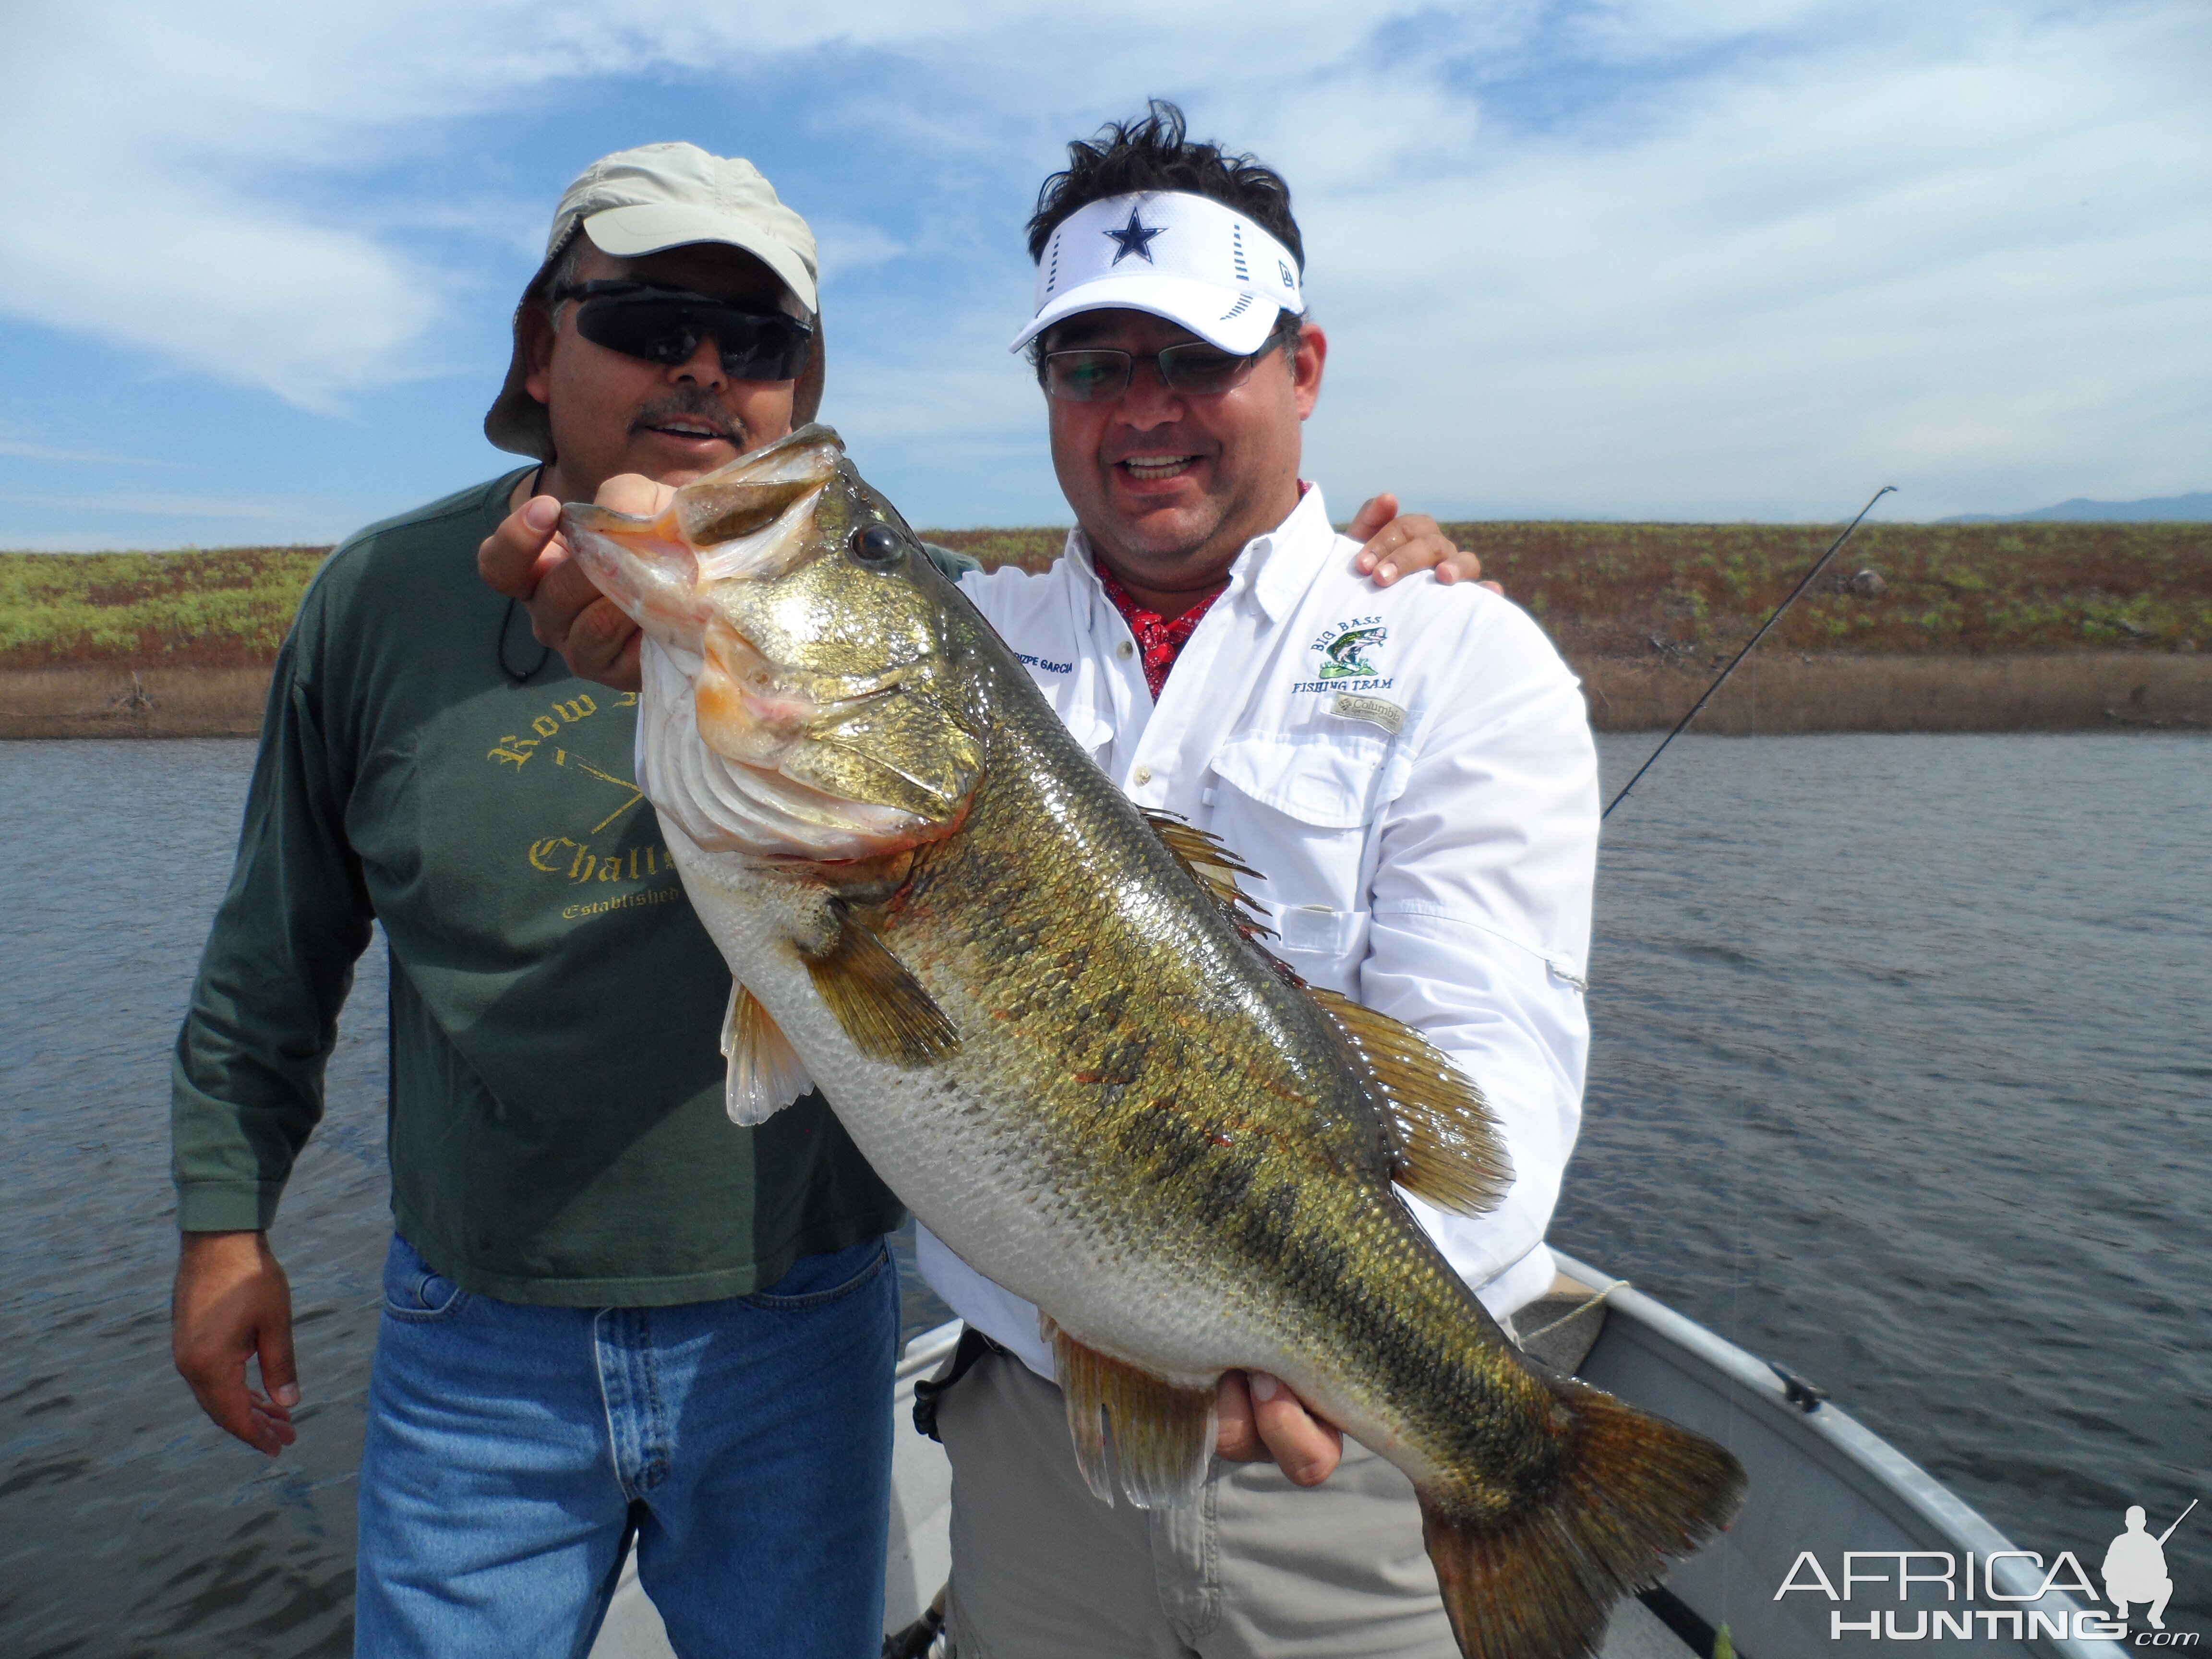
x: 1188, y: 258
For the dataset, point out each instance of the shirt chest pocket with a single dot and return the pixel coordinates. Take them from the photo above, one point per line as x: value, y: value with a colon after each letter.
x: 1299, y: 811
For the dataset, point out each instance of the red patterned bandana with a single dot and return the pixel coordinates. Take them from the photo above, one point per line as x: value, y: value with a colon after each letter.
x: 1161, y: 641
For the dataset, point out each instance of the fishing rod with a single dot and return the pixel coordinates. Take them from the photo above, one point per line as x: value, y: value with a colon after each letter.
x: 1819, y: 564
x: 2178, y: 1520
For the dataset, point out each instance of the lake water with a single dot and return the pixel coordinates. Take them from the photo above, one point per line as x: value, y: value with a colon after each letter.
x: 1902, y: 1077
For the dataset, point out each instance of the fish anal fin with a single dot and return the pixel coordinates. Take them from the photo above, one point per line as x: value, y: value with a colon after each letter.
x: 1209, y: 863
x: 881, y: 1006
x: 766, y: 1073
x: 1163, y: 1435
x: 1540, y: 1580
x: 1445, y: 1145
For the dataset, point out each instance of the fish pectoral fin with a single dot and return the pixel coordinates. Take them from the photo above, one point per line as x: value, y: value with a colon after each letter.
x: 766, y: 1073
x: 881, y: 1006
x: 1163, y: 1435
x: 1209, y: 863
x: 1445, y: 1145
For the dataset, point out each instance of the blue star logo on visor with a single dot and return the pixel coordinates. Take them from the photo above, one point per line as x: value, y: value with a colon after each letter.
x: 1135, y: 237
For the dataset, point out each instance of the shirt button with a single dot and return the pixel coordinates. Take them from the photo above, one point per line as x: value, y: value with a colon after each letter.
x: 1125, y: 650
x: 1143, y: 774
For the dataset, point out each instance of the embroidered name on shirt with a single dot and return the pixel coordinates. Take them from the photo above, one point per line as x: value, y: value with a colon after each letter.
x: 1045, y: 663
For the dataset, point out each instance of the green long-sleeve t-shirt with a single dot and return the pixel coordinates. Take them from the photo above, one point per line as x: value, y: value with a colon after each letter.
x: 556, y: 1127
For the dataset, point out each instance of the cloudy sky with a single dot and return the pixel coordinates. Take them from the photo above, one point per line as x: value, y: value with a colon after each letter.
x: 1667, y: 259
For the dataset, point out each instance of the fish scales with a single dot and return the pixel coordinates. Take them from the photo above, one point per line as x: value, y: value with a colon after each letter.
x: 1067, y: 1056
x: 1192, y: 1117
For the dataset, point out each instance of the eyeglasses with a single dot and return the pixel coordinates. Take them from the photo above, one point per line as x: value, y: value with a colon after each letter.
x: 666, y: 325
x: 1195, y: 367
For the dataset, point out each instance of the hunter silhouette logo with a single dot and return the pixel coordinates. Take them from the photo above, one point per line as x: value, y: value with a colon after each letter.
x: 2135, y: 1567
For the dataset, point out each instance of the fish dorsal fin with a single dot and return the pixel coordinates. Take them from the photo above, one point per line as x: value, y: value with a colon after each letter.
x: 1445, y: 1145
x: 881, y: 1006
x: 1213, y: 866
x: 1163, y: 1435
x: 766, y: 1073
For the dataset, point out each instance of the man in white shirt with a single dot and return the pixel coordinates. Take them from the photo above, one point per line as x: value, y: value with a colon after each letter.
x: 1412, y: 772
x: 1467, y: 917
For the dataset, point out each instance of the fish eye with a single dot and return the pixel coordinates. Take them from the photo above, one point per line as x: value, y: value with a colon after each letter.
x: 878, y: 544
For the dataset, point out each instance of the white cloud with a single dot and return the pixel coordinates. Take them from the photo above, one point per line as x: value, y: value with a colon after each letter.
x: 1795, y: 284
x: 17, y: 449
x: 1629, y: 256
x: 1641, y: 31
x: 191, y: 155
x: 846, y: 247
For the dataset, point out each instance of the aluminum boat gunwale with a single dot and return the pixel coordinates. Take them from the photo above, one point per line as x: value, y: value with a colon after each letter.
x: 1820, y: 1480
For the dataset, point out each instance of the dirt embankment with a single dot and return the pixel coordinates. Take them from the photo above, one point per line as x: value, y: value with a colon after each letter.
x: 2082, y: 691
x: 124, y: 702
x: 2085, y: 691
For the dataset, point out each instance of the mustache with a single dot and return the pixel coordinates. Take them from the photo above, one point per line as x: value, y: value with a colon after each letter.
x: 692, y: 403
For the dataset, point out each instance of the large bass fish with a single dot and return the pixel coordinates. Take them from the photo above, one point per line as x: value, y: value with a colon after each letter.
x: 1045, y: 1020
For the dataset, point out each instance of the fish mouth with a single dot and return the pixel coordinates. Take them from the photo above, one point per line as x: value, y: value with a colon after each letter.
x: 658, y: 570
x: 645, y: 567
x: 763, y: 730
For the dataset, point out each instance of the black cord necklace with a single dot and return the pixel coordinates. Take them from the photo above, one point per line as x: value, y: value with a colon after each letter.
x: 520, y: 676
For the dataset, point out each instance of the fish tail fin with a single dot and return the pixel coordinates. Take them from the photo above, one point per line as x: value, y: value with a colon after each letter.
x: 1540, y: 1581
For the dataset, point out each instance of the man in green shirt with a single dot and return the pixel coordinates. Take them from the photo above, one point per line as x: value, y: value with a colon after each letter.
x: 609, y: 1310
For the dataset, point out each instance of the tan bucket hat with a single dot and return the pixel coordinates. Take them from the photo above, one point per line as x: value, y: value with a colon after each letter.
x: 640, y: 201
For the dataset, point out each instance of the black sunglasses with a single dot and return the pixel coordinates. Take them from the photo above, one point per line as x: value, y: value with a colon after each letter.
x: 1194, y: 368
x: 665, y: 324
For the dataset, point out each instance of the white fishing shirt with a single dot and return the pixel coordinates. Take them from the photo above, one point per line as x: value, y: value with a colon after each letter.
x: 1410, y: 770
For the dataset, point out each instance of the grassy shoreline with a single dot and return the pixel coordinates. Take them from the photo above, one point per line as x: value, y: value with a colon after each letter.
x: 1682, y: 590
x: 1676, y: 592
x: 1916, y: 628
x: 224, y: 608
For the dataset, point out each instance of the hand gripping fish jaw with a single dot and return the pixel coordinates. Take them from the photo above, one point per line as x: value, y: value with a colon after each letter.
x: 817, y: 698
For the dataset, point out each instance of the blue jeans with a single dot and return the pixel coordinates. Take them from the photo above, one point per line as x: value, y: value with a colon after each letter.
x: 513, y: 1451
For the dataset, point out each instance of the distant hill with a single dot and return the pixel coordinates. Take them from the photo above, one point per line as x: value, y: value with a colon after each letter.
x: 2194, y: 507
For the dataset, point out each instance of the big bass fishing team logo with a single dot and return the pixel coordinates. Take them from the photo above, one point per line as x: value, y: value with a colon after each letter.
x: 1349, y: 656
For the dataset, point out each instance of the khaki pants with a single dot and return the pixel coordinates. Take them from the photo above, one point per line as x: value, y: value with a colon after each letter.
x: 1043, y: 1570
